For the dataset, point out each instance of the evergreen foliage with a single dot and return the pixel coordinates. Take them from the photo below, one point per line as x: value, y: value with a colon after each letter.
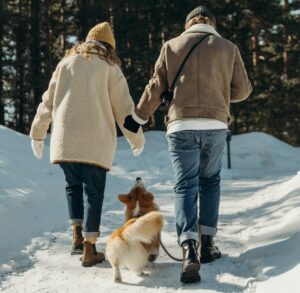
x: 35, y: 34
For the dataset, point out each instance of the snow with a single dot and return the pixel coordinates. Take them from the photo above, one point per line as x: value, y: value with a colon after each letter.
x: 259, y: 231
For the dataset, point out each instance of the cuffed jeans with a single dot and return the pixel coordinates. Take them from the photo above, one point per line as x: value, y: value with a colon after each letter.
x: 90, y: 179
x: 196, y: 157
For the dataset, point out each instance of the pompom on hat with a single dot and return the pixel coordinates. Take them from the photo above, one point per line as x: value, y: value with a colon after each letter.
x: 102, y: 32
x: 202, y: 11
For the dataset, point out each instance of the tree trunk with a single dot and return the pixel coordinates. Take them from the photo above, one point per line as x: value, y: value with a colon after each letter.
x: 1, y: 71
x: 286, y: 42
x: 63, y: 31
x: 84, y: 6
x: 35, y: 56
x: 20, y: 69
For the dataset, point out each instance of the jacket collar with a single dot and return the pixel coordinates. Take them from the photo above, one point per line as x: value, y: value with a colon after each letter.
x: 202, y: 28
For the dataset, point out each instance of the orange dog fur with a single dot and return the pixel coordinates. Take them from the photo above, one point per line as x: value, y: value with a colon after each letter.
x: 137, y: 241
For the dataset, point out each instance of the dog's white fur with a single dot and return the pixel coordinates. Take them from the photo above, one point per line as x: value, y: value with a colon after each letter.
x: 128, y: 250
x: 133, y: 243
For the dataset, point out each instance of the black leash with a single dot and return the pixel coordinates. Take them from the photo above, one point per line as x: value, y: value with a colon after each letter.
x: 168, y: 253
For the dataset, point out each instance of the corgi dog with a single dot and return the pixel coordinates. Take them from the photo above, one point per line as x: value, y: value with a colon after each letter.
x: 137, y: 241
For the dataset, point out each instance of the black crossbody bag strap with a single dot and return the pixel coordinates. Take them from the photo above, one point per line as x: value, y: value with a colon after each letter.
x: 167, y: 96
x: 186, y: 58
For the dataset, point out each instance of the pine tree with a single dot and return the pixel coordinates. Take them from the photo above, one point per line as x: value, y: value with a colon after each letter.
x: 35, y: 34
x: 2, y: 23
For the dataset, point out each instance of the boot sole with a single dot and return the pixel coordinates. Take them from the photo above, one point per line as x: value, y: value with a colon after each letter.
x: 88, y: 264
x: 191, y: 274
x: 76, y: 252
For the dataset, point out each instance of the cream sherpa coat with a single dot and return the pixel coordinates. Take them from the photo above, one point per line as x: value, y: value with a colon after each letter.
x: 84, y: 100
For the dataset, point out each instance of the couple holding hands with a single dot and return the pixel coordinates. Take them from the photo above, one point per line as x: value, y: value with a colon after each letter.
x: 88, y: 94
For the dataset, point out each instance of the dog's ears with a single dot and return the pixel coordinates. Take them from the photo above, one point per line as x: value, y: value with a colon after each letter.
x: 148, y: 196
x: 123, y: 198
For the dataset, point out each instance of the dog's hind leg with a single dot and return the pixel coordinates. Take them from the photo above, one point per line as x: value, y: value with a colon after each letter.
x: 154, y: 249
x: 117, y: 273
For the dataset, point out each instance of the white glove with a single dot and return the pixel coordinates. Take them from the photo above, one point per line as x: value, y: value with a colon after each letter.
x: 136, y: 152
x: 37, y: 148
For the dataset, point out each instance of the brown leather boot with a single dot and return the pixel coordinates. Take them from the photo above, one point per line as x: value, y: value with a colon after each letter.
x: 90, y: 255
x: 77, y: 243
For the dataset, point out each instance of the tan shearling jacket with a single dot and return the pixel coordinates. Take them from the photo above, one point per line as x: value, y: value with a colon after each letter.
x: 85, y: 99
x: 213, y: 77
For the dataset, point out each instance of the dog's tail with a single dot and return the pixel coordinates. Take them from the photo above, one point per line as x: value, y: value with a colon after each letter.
x: 145, y: 228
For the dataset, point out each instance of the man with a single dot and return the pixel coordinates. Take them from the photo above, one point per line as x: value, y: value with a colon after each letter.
x: 212, y: 77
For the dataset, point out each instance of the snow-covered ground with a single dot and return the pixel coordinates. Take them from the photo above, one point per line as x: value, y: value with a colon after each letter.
x: 259, y: 231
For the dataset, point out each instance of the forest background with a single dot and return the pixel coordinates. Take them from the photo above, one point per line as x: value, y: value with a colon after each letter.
x: 34, y: 36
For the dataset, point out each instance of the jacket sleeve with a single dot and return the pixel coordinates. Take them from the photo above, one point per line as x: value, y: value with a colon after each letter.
x: 158, y: 84
x: 122, y: 106
x: 240, y: 85
x: 43, y: 115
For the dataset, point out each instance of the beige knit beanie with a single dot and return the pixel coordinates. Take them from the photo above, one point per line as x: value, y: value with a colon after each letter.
x: 102, y: 32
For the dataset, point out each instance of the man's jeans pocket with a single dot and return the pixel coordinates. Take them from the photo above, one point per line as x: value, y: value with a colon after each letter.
x: 181, y: 140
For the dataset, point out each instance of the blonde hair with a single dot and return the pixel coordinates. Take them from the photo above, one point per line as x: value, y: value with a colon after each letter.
x: 108, y: 54
x: 199, y: 19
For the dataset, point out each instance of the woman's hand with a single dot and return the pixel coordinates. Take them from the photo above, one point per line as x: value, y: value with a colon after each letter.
x: 37, y: 148
x: 136, y: 152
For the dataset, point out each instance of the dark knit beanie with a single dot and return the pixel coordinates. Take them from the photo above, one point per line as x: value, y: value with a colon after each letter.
x: 201, y: 11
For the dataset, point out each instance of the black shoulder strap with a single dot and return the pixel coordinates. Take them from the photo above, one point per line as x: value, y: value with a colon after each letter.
x: 186, y: 57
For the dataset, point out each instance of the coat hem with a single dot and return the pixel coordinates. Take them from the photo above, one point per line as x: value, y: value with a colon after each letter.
x: 180, y: 113
x: 81, y: 162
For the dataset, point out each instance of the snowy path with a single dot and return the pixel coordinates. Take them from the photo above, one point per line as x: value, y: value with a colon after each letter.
x: 257, y: 245
x: 52, y: 269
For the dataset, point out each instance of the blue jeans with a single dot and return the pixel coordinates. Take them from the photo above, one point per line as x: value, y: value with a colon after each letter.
x: 90, y: 179
x: 196, y: 157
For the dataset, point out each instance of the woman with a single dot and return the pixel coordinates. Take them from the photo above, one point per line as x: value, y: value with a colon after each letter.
x: 87, y: 94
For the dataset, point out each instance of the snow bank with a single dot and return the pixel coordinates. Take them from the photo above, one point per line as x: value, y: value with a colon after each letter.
x: 31, y: 196
x: 265, y: 227
x: 262, y: 152
x: 259, y: 231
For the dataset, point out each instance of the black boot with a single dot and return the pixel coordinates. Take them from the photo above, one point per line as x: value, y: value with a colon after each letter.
x: 191, y: 265
x: 209, y: 251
